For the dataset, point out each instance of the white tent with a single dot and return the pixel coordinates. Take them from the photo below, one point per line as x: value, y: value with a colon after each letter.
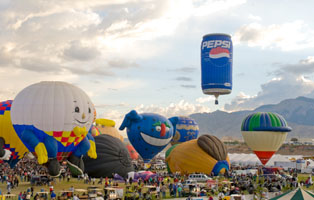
x: 252, y: 159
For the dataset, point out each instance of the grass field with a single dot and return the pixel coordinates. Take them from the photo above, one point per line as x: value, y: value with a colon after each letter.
x: 65, y: 185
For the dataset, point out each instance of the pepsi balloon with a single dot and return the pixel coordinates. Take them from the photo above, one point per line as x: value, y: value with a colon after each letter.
x: 216, y: 64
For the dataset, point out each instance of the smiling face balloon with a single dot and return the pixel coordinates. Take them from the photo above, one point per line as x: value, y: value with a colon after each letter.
x: 52, y: 119
x: 148, y: 133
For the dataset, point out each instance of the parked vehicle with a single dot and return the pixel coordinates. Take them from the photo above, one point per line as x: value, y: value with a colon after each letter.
x: 113, y: 192
x: 199, y: 177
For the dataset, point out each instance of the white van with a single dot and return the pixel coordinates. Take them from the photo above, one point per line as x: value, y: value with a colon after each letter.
x: 199, y: 177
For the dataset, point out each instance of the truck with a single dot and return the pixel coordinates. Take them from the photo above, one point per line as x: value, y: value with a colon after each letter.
x: 114, y: 192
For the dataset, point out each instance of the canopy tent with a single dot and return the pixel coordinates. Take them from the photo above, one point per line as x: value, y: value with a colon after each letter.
x: 297, y: 194
x: 252, y: 159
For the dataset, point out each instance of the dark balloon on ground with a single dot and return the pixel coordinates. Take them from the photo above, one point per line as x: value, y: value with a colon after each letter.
x: 112, y: 157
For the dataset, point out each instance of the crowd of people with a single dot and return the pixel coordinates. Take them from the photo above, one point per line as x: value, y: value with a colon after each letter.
x: 165, y: 185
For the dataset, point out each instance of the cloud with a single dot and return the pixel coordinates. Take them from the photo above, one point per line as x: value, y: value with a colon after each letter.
x: 188, y: 86
x: 185, y: 69
x: 122, y: 63
x: 78, y: 51
x: 205, y: 99
x: 254, y: 17
x: 183, y: 78
x: 99, y: 71
x: 290, y: 82
x: 174, y: 109
x: 290, y: 36
x: 305, y: 66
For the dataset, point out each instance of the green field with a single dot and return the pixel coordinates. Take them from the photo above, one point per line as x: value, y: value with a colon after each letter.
x: 64, y: 185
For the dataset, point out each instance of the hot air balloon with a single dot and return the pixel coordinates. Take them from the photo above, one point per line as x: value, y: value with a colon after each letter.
x: 112, y: 157
x: 185, y: 129
x: 132, y: 152
x: 107, y: 126
x: 216, y: 64
x: 264, y: 133
x: 52, y: 119
x: 11, y: 147
x: 207, y: 154
x: 149, y: 133
x: 94, y: 131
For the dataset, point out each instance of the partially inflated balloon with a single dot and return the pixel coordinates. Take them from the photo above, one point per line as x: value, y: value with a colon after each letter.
x: 10, y: 139
x: 185, y: 129
x: 132, y: 152
x: 148, y: 133
x: 107, y: 126
x: 94, y: 131
x: 113, y: 157
x: 52, y: 119
x: 264, y: 133
x: 207, y: 154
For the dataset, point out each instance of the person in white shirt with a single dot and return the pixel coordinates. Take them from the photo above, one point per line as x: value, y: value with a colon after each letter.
x: 75, y: 197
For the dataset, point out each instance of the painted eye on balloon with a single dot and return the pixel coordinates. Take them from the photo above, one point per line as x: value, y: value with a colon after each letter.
x: 77, y: 109
x: 89, y: 110
x: 158, y: 128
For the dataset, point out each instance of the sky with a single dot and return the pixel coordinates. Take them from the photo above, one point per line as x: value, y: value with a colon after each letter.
x: 145, y: 55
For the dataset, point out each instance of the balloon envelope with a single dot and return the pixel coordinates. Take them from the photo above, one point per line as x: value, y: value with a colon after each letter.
x: 53, y: 110
x: 206, y: 154
x: 7, y: 132
x: 149, y: 133
x: 185, y: 129
x: 112, y: 157
x: 107, y: 126
x: 94, y: 131
x: 132, y: 152
x: 264, y: 133
x: 216, y: 64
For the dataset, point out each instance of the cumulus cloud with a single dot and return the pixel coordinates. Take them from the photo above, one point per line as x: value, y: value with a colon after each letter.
x: 186, y: 69
x: 294, y: 35
x: 81, y: 52
x: 99, y: 71
x: 188, y: 86
x: 205, y: 99
x: 290, y: 82
x: 174, y: 109
x: 183, y: 78
x: 122, y: 63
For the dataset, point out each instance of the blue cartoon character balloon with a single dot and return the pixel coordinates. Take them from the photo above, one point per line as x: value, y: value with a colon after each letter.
x: 185, y: 129
x: 52, y: 119
x: 148, y: 133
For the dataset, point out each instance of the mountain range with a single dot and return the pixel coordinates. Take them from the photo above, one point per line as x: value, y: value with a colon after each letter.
x: 298, y: 112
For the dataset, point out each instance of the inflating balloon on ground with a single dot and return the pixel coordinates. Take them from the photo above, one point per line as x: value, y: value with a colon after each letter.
x: 112, y: 157
x: 107, y: 126
x: 207, y: 154
x: 12, y: 148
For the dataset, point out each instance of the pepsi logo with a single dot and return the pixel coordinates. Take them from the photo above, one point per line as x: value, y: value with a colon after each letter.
x: 219, y: 52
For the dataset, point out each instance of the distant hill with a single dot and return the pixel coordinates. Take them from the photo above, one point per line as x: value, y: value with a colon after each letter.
x: 298, y: 112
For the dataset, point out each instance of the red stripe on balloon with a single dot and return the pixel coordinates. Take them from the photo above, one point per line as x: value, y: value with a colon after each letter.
x: 264, y: 156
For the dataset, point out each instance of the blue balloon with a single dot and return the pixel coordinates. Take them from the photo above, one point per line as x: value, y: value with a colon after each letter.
x: 149, y: 133
x: 185, y: 129
x: 216, y: 64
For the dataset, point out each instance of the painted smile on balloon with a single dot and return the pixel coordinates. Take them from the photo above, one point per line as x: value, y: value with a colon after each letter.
x: 81, y: 122
x: 155, y: 141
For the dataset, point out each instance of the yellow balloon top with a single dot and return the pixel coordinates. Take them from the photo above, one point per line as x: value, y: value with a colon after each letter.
x: 105, y: 122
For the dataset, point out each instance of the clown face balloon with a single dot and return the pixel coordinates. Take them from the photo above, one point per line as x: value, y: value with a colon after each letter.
x: 148, y: 133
